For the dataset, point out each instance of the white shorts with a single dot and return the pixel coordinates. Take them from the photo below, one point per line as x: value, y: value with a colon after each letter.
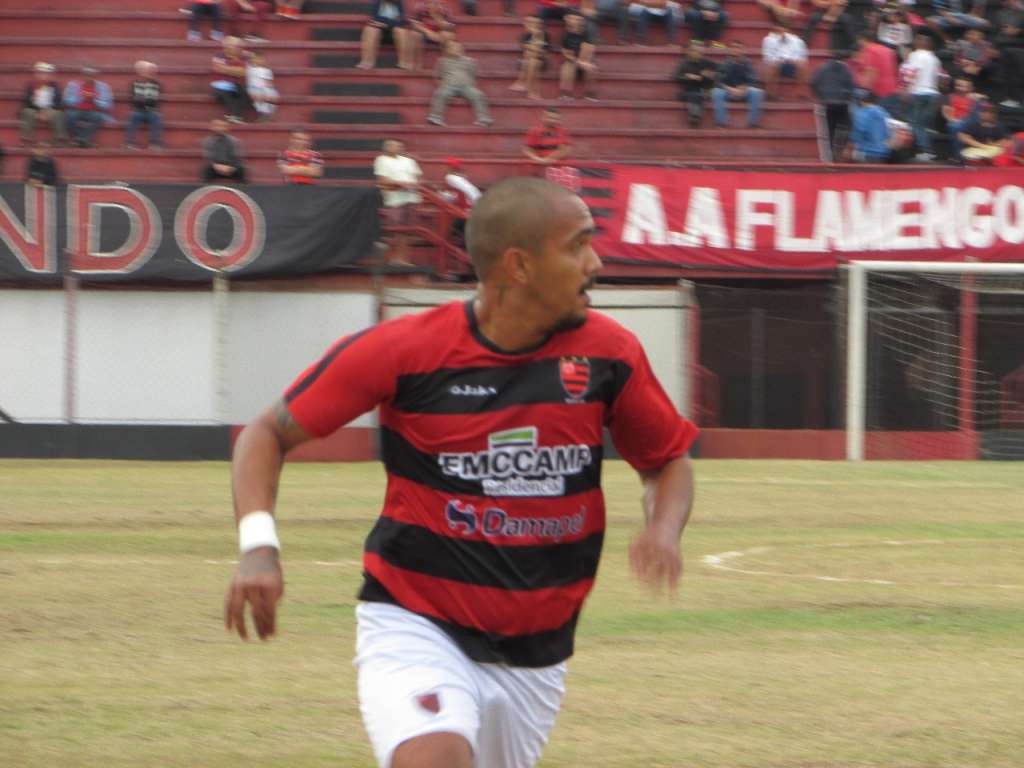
x: 414, y: 679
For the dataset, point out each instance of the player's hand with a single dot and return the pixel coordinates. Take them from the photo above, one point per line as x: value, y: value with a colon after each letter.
x: 259, y: 582
x: 656, y: 560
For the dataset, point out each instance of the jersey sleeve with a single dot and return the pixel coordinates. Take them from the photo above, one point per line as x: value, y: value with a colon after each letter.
x: 354, y: 375
x: 645, y: 427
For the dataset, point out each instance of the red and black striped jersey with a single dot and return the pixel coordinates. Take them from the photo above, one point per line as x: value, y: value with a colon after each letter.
x: 493, y: 518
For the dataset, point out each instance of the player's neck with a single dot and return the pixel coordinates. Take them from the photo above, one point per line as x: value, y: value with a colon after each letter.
x: 506, y: 323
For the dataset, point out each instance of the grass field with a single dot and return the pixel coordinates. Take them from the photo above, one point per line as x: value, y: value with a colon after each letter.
x: 783, y: 649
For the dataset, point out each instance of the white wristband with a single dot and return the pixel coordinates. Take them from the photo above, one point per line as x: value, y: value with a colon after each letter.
x: 257, y: 529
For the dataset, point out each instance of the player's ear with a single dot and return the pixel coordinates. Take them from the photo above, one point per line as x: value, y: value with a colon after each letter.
x: 517, y: 264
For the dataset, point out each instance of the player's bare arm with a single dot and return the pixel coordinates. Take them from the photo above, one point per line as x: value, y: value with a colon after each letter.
x: 255, y: 473
x: 668, y: 499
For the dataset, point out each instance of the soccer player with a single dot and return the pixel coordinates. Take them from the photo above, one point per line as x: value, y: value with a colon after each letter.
x: 491, y: 417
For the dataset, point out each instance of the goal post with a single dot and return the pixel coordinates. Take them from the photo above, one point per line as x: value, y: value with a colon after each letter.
x: 922, y: 318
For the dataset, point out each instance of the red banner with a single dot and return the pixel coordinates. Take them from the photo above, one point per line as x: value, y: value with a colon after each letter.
x: 805, y: 221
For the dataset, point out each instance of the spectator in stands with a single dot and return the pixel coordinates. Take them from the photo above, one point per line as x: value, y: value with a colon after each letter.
x: 534, y: 44
x: 456, y: 76
x: 1009, y: 41
x: 960, y: 109
x: 782, y: 11
x: 833, y: 88
x: 145, y: 100
x: 209, y: 9
x: 88, y: 102
x: 784, y: 56
x: 229, y: 88
x: 41, y: 170
x: 875, y: 68
x: 431, y: 21
x: 459, y: 190
x: 615, y: 11
x: 952, y: 18
x: 921, y: 70
x: 694, y: 75
x: 244, y: 18
x: 894, y: 32
x: 972, y: 55
x: 668, y: 11
x: 845, y: 29
x: 985, y: 138
x: 42, y: 104
x: 577, y: 60
x: 556, y: 9
x: 871, y: 132
x: 827, y: 11
x: 398, y: 177
x: 707, y: 20
x: 223, y: 153
x: 737, y: 81
x: 547, y: 143
x: 290, y: 9
x: 259, y: 84
x: 388, y: 23
x: 300, y: 163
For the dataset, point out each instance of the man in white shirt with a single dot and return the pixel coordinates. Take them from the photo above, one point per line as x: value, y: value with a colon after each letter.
x: 398, y: 177
x: 921, y: 73
x: 784, y: 55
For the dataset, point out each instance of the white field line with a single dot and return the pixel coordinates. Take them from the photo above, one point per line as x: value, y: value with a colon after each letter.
x: 723, y: 561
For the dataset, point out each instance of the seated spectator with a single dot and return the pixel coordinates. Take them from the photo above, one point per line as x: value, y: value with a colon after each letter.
x: 736, y: 81
x: 577, y: 60
x: 300, y: 163
x: 398, y: 177
x: 784, y: 56
x: 827, y: 11
x: 42, y: 104
x: 388, y: 23
x: 145, y: 100
x: 534, y: 44
x: 871, y: 132
x: 707, y: 20
x: 972, y: 55
x: 88, y: 102
x: 244, y: 18
x: 695, y: 74
x: 556, y: 9
x: 456, y: 76
x: 290, y: 9
x: 41, y: 170
x: 642, y: 11
x: 616, y: 11
x: 547, y: 143
x: 223, y: 153
x: 875, y: 68
x: 259, y: 84
x: 229, y: 88
x: 985, y: 138
x: 833, y: 87
x: 894, y: 32
x: 1013, y: 157
x: 208, y: 9
x: 1009, y: 41
x: 960, y: 109
x: 782, y: 11
x: 431, y: 21
x: 951, y: 17
x: 921, y: 70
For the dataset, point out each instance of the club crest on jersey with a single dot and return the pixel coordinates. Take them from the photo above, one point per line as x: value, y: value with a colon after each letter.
x: 574, y: 373
x: 431, y: 702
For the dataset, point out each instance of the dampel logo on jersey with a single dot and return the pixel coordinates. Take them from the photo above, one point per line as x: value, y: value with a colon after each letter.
x: 493, y: 521
x: 514, y: 465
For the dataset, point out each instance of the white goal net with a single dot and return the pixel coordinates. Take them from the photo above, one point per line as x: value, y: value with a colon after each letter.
x: 935, y: 360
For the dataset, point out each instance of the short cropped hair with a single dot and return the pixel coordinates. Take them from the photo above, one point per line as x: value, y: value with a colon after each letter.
x: 514, y: 213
